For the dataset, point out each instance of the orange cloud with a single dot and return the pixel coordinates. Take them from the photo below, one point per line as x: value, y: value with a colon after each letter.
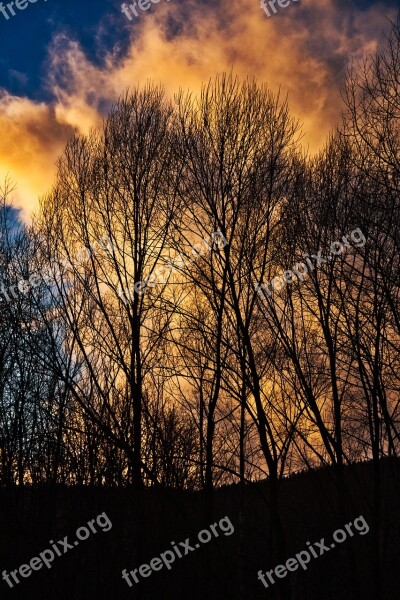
x: 304, y: 49
x: 30, y: 142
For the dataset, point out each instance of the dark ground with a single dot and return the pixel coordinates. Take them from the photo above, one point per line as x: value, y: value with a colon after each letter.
x: 145, y: 524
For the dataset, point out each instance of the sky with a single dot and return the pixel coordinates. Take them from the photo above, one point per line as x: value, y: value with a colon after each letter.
x: 63, y: 63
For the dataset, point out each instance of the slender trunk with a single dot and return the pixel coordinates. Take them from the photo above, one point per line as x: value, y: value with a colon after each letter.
x: 137, y: 407
x: 242, y: 589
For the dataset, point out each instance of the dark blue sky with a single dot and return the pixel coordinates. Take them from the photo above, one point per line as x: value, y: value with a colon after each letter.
x: 24, y: 38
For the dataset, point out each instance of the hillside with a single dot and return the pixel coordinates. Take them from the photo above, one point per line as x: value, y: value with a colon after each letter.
x: 144, y: 525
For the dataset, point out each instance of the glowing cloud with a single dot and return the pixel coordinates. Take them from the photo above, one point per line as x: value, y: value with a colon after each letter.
x: 304, y: 49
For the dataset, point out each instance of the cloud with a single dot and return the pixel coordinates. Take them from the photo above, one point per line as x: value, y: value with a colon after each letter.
x: 304, y: 49
x: 30, y: 142
x: 21, y: 78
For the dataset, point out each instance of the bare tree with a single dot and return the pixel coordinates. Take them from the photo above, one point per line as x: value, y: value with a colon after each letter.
x: 117, y: 185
